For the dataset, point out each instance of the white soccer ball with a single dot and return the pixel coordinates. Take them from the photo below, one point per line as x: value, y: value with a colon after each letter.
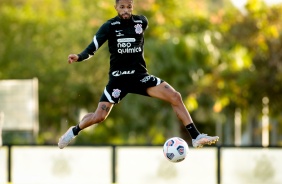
x: 175, y: 149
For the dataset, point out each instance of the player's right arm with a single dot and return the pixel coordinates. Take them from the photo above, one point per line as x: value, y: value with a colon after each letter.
x: 98, y: 40
x: 72, y: 58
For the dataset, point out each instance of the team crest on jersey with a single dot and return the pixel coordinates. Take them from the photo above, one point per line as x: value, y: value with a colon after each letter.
x: 116, y: 93
x: 138, y: 28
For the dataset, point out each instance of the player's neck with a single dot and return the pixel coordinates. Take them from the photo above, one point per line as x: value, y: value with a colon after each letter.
x: 125, y: 20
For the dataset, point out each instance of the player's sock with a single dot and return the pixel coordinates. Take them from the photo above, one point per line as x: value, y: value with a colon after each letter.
x: 76, y: 129
x: 191, y: 128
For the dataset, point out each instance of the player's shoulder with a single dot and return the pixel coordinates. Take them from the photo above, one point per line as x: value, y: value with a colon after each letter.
x: 109, y: 23
x: 113, y: 21
x: 140, y: 18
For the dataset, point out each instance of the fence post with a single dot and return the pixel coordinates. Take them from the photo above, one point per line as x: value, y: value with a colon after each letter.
x: 1, y: 126
x: 114, y: 164
x: 218, y: 164
x: 9, y: 164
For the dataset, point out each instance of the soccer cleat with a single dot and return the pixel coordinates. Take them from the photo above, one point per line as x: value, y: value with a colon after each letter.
x: 203, y: 139
x: 66, y: 138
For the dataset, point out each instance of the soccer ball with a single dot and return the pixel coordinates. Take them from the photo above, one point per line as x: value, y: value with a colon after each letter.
x: 175, y: 149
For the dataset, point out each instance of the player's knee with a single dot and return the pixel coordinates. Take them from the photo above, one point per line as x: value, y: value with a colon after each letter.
x: 176, y: 98
x: 100, y: 118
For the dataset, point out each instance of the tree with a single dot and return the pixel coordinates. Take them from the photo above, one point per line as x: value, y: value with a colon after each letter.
x: 216, y: 56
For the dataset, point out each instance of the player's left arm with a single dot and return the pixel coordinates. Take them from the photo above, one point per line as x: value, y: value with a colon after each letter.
x: 145, y: 22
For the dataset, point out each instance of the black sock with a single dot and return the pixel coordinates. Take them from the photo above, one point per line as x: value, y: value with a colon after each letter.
x: 76, y: 129
x: 191, y: 128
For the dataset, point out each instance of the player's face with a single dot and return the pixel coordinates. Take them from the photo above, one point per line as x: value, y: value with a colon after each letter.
x: 124, y: 8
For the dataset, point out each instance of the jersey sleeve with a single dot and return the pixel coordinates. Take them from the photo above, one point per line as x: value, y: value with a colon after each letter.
x: 146, y: 22
x: 98, y: 40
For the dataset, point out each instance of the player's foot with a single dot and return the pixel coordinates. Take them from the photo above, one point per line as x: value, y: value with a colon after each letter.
x: 203, y: 139
x: 66, y: 138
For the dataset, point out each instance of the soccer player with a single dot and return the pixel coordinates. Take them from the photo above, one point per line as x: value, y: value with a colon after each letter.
x: 128, y: 73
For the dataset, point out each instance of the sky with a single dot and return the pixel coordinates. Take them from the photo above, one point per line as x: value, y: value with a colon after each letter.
x: 241, y: 3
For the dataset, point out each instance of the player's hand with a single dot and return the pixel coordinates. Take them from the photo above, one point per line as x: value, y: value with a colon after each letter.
x: 72, y: 58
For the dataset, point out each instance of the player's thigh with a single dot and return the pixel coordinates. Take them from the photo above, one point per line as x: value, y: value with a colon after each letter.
x: 104, y: 109
x: 162, y: 91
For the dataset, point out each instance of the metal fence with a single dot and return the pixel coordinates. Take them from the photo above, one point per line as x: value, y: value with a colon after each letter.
x: 138, y: 164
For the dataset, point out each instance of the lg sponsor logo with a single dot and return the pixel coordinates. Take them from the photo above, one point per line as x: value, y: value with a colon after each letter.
x: 118, y: 73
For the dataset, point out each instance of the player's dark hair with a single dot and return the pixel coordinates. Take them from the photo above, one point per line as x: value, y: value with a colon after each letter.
x: 118, y: 1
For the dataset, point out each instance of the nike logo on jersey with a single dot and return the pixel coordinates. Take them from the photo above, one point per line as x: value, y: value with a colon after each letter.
x: 119, y: 33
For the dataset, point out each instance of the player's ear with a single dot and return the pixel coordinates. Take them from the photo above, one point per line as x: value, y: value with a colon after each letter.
x: 115, y: 6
